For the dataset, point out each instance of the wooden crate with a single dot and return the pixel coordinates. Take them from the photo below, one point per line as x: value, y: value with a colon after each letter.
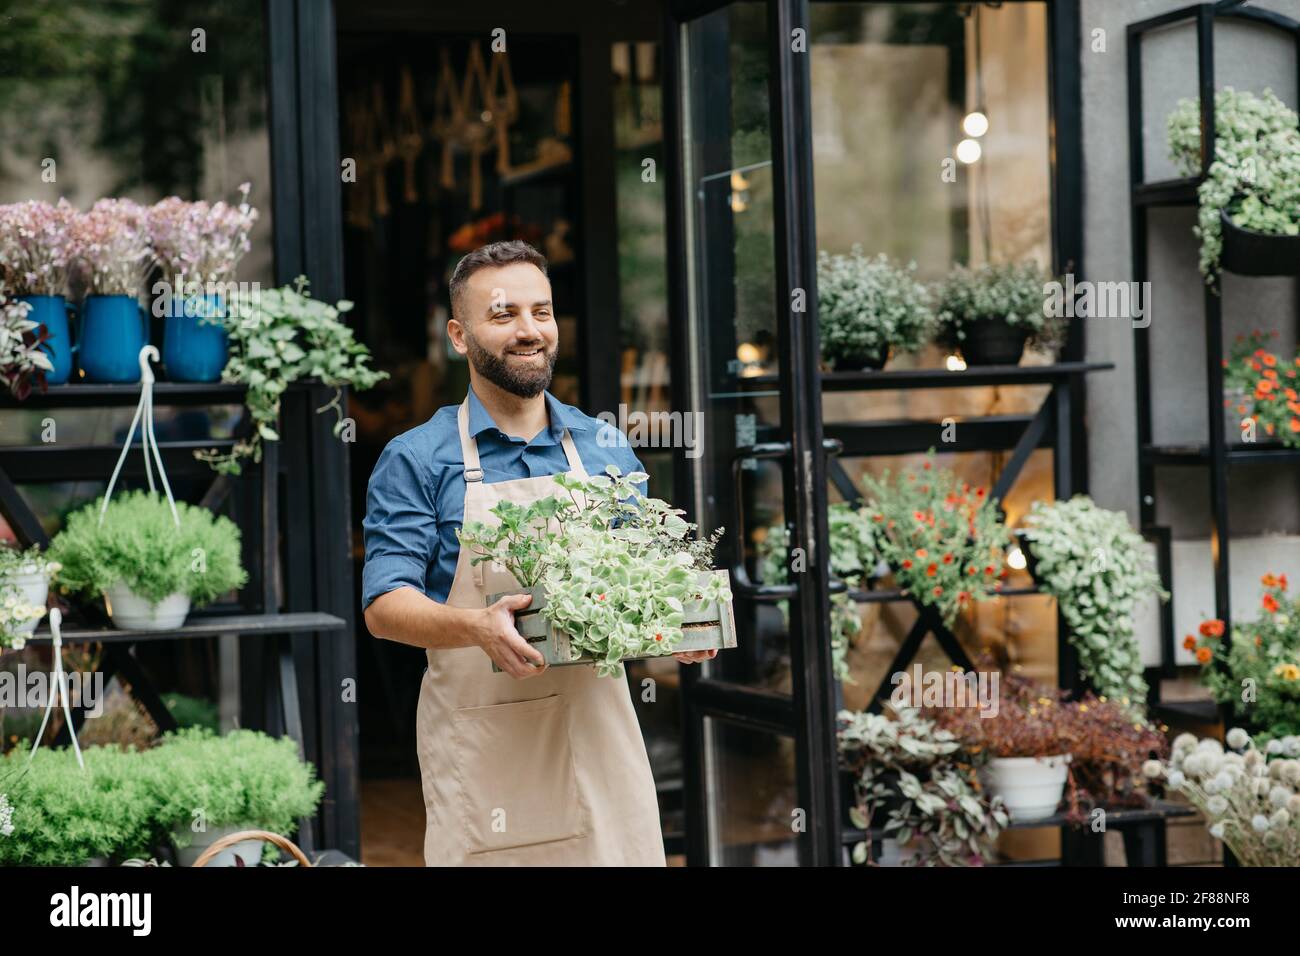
x: 707, y: 627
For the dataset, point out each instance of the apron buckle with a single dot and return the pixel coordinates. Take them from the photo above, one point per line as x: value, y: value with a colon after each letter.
x: 473, y: 474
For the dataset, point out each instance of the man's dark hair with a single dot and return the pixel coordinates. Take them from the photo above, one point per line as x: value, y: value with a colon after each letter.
x: 493, y: 254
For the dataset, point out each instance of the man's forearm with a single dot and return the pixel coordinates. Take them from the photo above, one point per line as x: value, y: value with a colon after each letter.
x: 409, y: 617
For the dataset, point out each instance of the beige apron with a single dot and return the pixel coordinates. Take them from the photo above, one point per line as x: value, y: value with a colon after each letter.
x: 551, y: 770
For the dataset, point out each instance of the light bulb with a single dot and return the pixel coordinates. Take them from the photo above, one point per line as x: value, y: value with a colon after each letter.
x: 968, y: 151
x: 975, y: 124
x: 955, y: 363
x: 1016, y: 559
x: 748, y: 352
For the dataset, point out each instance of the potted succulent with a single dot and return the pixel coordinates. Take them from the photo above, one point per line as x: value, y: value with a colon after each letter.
x: 941, y: 537
x: 1249, y: 213
x: 1259, y: 675
x: 199, y: 246
x: 110, y: 244
x: 991, y: 311
x: 612, y: 573
x: 202, y: 787
x: 149, y: 564
x: 63, y: 815
x: 1262, y: 390
x: 1097, y: 568
x: 24, y: 362
x: 29, y: 572
x: 866, y: 306
x: 912, y: 776
x: 854, y: 560
x: 1250, y: 798
x: 35, y: 254
x: 278, y: 337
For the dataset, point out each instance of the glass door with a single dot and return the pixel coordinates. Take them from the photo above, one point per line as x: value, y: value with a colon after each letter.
x: 760, y: 764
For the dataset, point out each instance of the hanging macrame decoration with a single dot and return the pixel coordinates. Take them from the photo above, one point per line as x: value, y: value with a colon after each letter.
x: 385, y: 149
x: 449, y: 119
x: 361, y: 132
x: 503, y: 105
x: 410, y: 141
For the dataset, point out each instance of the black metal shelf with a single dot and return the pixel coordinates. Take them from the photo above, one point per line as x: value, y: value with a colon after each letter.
x: 77, y: 395
x: 970, y: 377
x: 241, y: 625
x: 1167, y: 192
x: 1270, y: 453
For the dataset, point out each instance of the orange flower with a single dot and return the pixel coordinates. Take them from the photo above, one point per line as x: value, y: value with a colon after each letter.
x: 1269, y: 360
x: 1212, y: 628
x: 932, y: 570
x: 938, y: 592
x: 1268, y: 427
x: 922, y: 553
x: 659, y: 637
x: 1295, y: 424
x: 1270, y: 603
x: 907, y: 563
x: 947, y: 559
x: 1189, y: 643
x: 1204, y: 655
x: 1268, y: 581
x: 988, y: 569
x: 972, y: 570
x: 1270, y: 375
x: 1291, y: 394
x: 1281, y: 581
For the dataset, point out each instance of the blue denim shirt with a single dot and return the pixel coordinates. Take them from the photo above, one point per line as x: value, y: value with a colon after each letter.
x: 415, y: 501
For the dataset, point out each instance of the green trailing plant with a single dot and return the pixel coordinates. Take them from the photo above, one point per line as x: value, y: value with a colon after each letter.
x: 1097, y: 567
x: 62, y: 815
x: 1255, y: 174
x: 139, y: 545
x: 853, y: 559
x: 942, y: 538
x: 865, y: 306
x: 16, y: 561
x: 915, y: 774
x: 1012, y: 291
x: 241, y: 778
x: 1259, y: 675
x: 617, y: 567
x: 279, y: 337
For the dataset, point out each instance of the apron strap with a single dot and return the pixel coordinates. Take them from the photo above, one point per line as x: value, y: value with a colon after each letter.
x: 571, y: 453
x: 468, y: 445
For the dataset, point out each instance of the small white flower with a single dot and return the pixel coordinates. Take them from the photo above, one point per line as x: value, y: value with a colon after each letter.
x: 1259, y: 822
x: 1184, y: 741
x: 1217, y: 830
x: 1238, y: 739
x: 1274, y: 746
x: 1223, y: 780
x: 1278, y: 796
x: 1152, y: 769
x: 1216, y: 806
x: 1176, y: 779
x: 1280, y: 818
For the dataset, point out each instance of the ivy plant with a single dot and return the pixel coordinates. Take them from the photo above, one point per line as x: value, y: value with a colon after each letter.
x: 866, y: 305
x: 618, y: 568
x: 278, y: 337
x: 139, y: 545
x: 1255, y: 172
x: 1097, y: 567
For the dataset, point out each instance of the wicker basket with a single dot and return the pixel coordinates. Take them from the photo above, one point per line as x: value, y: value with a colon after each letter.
x: 225, y: 842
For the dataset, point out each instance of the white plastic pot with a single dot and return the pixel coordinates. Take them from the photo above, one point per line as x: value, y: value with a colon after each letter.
x: 1031, y: 787
x: 35, y: 587
x: 132, y: 612
x: 250, y: 851
x: 891, y: 854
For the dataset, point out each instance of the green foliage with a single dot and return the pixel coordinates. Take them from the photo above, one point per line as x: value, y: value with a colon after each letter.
x: 1255, y: 174
x: 29, y: 561
x: 63, y: 816
x: 866, y: 305
x: 243, y: 777
x: 617, y: 567
x: 942, y: 538
x: 1097, y: 568
x: 192, y: 711
x: 140, y: 545
x: 1010, y: 291
x: 279, y: 337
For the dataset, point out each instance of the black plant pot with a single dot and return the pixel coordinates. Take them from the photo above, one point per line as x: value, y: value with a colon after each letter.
x: 993, y: 342
x: 1251, y: 253
x: 862, y: 362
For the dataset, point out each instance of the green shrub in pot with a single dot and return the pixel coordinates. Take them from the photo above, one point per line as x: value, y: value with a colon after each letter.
x: 1002, y: 300
x: 1255, y: 176
x: 138, y: 546
x: 866, y: 306
x: 1097, y: 567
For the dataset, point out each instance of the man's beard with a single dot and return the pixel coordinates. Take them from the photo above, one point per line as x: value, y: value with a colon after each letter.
x: 524, y: 382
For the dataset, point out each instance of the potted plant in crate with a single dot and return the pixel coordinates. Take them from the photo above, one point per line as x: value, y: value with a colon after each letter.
x: 613, y: 573
x: 28, y: 573
x: 35, y: 254
x: 914, y: 776
x: 991, y: 311
x: 110, y: 244
x: 64, y: 815
x: 1249, y: 214
x: 278, y: 337
x: 198, y: 245
x: 149, y: 563
x: 1259, y: 676
x: 941, y: 537
x: 1096, y: 566
x: 866, y: 306
x: 1250, y: 798
x: 204, y: 787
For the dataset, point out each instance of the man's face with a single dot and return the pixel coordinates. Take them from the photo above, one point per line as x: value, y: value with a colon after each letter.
x: 507, y: 328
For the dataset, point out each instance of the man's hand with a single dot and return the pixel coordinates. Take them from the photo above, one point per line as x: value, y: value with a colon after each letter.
x: 695, y: 657
x: 494, y: 631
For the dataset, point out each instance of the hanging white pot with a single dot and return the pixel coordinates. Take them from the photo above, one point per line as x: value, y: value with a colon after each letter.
x: 35, y: 587
x: 249, y: 851
x: 132, y: 612
x: 1031, y: 787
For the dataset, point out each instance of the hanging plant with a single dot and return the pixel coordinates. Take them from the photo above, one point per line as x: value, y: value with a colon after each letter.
x: 1255, y: 176
x: 279, y: 337
x: 866, y: 306
x: 1096, y: 566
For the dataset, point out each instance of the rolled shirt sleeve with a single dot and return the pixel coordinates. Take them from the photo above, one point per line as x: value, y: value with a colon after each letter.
x: 401, y: 524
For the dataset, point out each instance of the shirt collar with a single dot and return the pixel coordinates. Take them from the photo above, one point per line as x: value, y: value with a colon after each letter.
x: 481, y: 420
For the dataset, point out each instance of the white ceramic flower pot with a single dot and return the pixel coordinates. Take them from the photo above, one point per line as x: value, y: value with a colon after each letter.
x: 1031, y: 787
x: 891, y: 854
x: 132, y: 612
x: 35, y: 588
x: 250, y: 851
